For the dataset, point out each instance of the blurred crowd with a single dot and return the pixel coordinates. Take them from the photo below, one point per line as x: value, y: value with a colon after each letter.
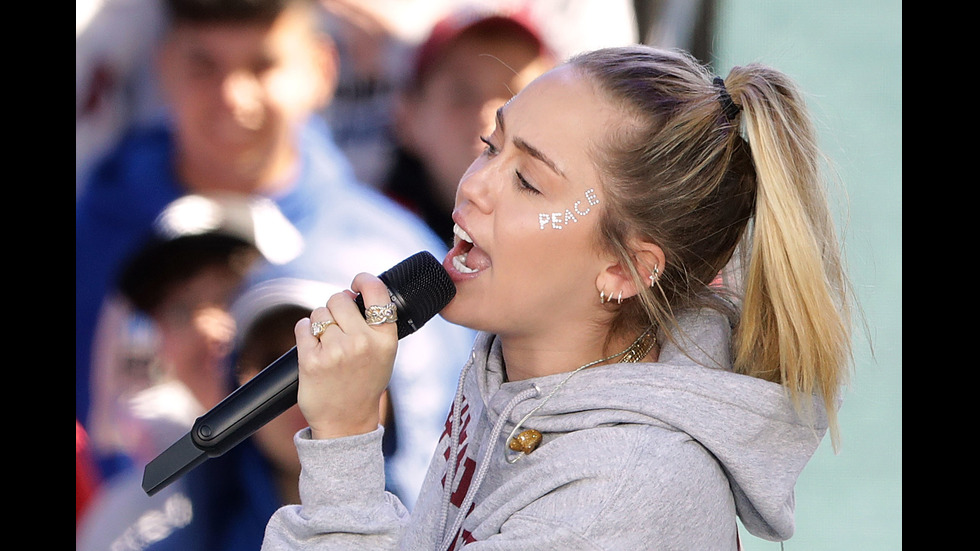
x: 239, y: 162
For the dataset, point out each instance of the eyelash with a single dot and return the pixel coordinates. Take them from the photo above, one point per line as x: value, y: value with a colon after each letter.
x: 489, y: 149
x: 522, y: 184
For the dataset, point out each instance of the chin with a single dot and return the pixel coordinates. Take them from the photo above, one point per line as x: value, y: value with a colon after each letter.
x: 451, y: 313
x: 471, y: 317
x: 456, y: 313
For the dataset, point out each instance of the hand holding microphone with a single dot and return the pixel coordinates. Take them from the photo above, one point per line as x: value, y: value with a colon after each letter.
x: 346, y: 360
x: 418, y: 287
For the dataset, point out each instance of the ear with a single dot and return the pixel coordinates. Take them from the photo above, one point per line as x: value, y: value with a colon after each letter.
x: 327, y: 62
x: 616, y: 280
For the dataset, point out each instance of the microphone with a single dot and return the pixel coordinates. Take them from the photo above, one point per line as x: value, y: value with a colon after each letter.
x: 420, y: 288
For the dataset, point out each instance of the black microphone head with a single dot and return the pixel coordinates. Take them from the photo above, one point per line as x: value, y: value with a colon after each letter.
x: 420, y: 288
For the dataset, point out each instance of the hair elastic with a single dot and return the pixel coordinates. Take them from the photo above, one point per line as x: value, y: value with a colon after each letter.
x: 728, y: 106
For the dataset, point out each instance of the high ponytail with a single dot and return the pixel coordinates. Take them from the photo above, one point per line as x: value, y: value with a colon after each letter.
x: 794, y: 326
x: 705, y: 166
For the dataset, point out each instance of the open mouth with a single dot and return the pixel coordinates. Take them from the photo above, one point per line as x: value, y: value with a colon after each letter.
x: 466, y: 257
x: 464, y: 245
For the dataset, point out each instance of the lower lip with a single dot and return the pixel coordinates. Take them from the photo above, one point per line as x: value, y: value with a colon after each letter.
x: 454, y: 274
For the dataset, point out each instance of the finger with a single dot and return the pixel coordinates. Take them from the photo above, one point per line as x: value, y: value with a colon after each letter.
x: 319, y: 321
x: 304, y: 336
x: 342, y: 309
x: 379, y: 310
x: 318, y: 328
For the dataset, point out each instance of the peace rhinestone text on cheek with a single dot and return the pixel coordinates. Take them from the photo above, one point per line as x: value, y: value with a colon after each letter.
x: 558, y: 220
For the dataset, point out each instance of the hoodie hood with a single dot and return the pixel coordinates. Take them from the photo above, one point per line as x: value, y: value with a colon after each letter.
x: 749, y: 425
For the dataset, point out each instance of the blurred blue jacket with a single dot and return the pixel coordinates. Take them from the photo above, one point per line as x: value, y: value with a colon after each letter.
x: 347, y: 228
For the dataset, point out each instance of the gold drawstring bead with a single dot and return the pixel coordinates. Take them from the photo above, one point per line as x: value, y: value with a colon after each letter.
x: 525, y: 442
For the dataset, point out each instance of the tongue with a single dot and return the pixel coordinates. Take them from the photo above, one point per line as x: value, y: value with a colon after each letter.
x: 477, y: 260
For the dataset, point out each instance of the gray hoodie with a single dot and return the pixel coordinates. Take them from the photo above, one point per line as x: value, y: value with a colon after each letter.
x: 633, y: 456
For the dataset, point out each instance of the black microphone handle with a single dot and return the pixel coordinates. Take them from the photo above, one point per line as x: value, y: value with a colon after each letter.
x: 263, y: 398
x: 419, y: 287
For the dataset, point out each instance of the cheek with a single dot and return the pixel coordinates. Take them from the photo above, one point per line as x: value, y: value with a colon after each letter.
x: 548, y: 239
x: 293, y: 91
x: 191, y: 104
x: 533, y: 246
x: 281, y: 100
x: 572, y: 216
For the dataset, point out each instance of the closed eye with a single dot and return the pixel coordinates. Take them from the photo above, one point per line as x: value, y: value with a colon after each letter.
x: 521, y: 182
x: 490, y: 149
x: 525, y: 186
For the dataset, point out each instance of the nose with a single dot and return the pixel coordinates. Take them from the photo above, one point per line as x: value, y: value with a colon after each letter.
x: 477, y: 186
x: 242, y: 93
x: 482, y: 179
x: 216, y: 327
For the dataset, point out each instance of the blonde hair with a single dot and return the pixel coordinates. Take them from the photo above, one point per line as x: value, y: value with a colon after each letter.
x: 700, y: 175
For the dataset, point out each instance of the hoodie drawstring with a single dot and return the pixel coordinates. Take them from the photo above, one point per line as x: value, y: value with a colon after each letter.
x: 447, y: 489
x: 449, y: 537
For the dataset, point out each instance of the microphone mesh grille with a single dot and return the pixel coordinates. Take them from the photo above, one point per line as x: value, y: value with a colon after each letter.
x: 420, y: 287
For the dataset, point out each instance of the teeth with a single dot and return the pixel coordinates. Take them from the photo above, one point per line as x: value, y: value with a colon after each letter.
x: 459, y: 262
x: 461, y: 234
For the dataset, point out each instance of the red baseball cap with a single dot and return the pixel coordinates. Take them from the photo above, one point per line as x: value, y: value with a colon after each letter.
x: 469, y: 19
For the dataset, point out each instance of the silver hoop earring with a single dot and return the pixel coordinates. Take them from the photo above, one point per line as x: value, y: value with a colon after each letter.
x: 654, y: 276
x: 619, y: 299
x: 602, y: 297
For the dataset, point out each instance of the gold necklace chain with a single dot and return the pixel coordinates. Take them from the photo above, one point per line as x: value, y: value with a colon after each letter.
x: 529, y: 439
x: 640, y: 347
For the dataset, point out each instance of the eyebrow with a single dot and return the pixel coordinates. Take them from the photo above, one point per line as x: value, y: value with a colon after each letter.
x: 528, y: 148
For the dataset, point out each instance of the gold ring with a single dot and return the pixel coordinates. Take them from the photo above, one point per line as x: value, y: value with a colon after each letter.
x: 376, y: 315
x: 318, y: 327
